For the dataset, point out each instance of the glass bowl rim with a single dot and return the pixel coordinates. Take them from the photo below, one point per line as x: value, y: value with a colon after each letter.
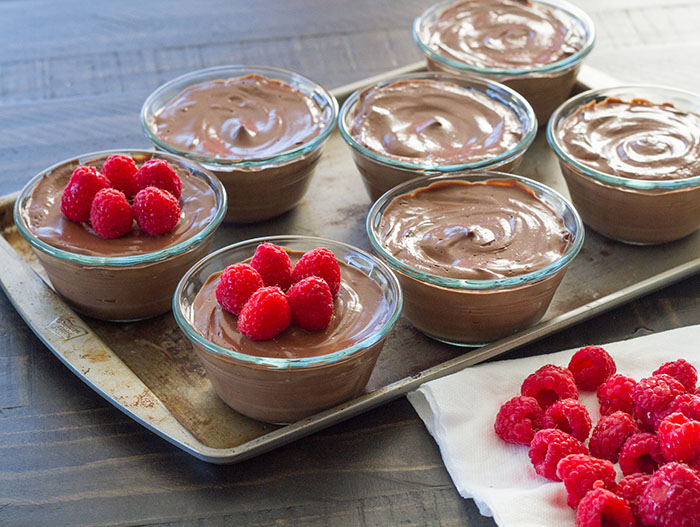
x: 480, y: 83
x: 466, y: 284
x: 579, y: 100
x: 130, y: 260
x: 570, y: 9
x: 231, y: 71
x: 277, y: 363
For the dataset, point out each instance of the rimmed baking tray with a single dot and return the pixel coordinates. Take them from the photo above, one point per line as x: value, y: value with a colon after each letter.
x: 149, y: 371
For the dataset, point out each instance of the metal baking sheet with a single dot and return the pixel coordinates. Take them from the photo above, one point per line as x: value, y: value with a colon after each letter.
x: 149, y: 371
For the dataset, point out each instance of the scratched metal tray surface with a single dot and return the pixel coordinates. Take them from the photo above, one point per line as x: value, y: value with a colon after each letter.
x: 149, y: 371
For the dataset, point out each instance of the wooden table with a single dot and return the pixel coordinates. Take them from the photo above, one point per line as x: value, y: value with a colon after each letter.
x: 73, y: 76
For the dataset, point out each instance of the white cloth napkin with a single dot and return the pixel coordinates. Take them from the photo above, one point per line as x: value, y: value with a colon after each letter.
x: 459, y: 411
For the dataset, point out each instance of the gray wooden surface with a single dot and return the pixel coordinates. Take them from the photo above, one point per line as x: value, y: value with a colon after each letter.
x: 73, y: 75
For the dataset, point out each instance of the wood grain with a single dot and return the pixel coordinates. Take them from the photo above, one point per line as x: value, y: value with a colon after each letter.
x: 72, y: 78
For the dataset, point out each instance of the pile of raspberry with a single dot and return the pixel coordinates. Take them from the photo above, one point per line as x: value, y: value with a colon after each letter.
x: 269, y: 294
x: 651, y: 427
x: 121, y: 192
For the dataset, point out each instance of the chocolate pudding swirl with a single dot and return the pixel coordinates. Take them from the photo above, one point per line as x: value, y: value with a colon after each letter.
x: 434, y: 122
x: 248, y: 117
x: 478, y: 231
x: 359, y: 312
x: 636, y: 140
x: 505, y: 34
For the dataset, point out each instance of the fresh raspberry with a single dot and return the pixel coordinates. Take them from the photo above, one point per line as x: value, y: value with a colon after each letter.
x: 549, y: 384
x: 311, y: 303
x: 630, y: 489
x: 570, y: 416
x: 156, y: 211
x: 682, y: 371
x: 319, y: 262
x: 158, y: 173
x: 273, y: 264
x: 641, y: 453
x: 236, y: 285
x: 610, y: 433
x: 265, y: 315
x: 687, y: 404
x: 591, y: 367
x: 615, y: 394
x: 110, y: 214
x: 518, y: 420
x: 602, y: 507
x: 579, y: 472
x: 671, y: 498
x: 548, y: 447
x: 120, y: 171
x: 76, y: 200
x: 652, y: 396
x: 679, y: 438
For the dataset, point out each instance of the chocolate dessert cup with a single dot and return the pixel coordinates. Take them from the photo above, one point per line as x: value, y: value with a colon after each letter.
x: 381, y: 171
x: 648, y: 209
x: 116, y: 279
x: 544, y: 85
x: 284, y: 379
x: 259, y: 186
x: 467, y: 311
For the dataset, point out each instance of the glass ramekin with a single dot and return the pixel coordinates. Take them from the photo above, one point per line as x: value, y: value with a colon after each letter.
x: 637, y: 211
x: 545, y: 87
x: 121, y: 288
x: 283, y: 390
x: 258, y: 188
x: 466, y: 312
x: 381, y: 173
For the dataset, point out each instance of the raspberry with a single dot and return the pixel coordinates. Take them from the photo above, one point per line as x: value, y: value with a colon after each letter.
x: 602, y: 507
x: 518, y: 420
x: 236, y: 284
x: 679, y: 438
x: 82, y: 186
x: 671, y: 497
x: 615, y: 394
x: 591, y: 367
x: 158, y: 173
x: 265, y: 315
x: 641, y: 453
x: 273, y: 264
x: 687, y: 404
x: 120, y: 171
x: 548, y: 447
x: 630, y: 489
x: 610, y: 433
x: 156, y: 211
x: 549, y: 384
x: 311, y: 303
x: 319, y: 262
x: 570, y: 416
x: 110, y: 214
x: 579, y: 472
x: 682, y: 371
x: 652, y: 396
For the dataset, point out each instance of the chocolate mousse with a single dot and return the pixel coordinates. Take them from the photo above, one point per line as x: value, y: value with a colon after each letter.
x: 44, y: 218
x: 636, y: 139
x: 360, y: 310
x: 434, y: 123
x: 245, y: 118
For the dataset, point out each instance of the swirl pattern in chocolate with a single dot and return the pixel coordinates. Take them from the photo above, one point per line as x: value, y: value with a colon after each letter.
x: 505, y: 34
x: 243, y: 118
x: 483, y: 230
x: 44, y: 218
x: 635, y: 140
x: 434, y: 122
x: 359, y: 312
